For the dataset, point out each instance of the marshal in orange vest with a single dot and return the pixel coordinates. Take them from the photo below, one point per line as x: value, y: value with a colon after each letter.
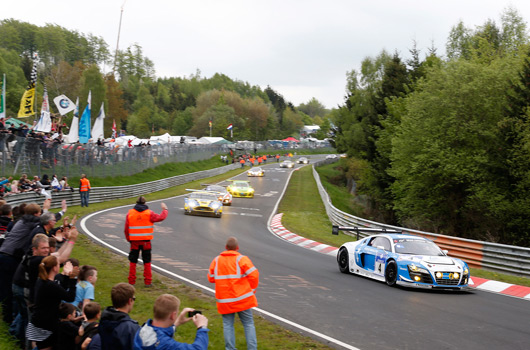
x: 140, y: 225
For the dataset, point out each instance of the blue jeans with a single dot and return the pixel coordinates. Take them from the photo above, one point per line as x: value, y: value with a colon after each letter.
x: 84, y: 198
x: 248, y: 325
x: 18, y: 327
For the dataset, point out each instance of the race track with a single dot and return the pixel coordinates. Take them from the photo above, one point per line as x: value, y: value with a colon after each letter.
x: 306, y: 288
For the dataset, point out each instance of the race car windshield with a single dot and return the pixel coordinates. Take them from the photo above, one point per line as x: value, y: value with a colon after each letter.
x: 215, y: 188
x: 204, y: 196
x: 241, y: 185
x: 418, y: 247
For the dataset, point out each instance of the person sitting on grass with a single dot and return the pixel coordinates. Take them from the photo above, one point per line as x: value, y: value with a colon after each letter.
x: 158, y: 332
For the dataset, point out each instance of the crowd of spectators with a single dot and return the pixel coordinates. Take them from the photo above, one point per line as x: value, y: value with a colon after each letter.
x: 43, y: 186
x: 48, y: 297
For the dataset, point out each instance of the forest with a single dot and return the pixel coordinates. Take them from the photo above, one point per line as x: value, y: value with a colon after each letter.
x: 441, y: 144
x: 141, y: 103
x: 435, y: 142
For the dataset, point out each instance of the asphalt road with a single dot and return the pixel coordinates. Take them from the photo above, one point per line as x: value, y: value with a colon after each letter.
x: 307, y: 289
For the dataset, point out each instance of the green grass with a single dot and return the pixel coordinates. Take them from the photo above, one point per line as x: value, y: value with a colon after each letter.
x: 304, y: 212
x: 113, y: 268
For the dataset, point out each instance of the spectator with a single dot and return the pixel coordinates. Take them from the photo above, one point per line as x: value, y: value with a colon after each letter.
x: 88, y: 276
x: 84, y: 190
x: 64, y: 184
x: 44, y: 322
x: 56, y: 186
x: 14, y: 187
x: 6, y: 216
x: 11, y: 252
x: 68, y: 330
x: 116, y: 328
x: 236, y: 280
x: 161, y: 329
x: 89, y: 328
x: 139, y: 225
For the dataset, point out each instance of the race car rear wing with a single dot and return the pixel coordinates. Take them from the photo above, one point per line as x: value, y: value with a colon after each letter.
x: 335, y: 230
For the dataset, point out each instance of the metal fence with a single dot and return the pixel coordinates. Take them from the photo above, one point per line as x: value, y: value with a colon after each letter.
x: 487, y: 255
x: 34, y: 156
x: 102, y: 194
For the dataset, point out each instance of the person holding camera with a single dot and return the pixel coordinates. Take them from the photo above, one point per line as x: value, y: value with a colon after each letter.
x: 139, y: 228
x: 166, y: 318
x: 236, y: 280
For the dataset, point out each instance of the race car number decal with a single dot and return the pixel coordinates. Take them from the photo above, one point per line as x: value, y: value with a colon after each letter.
x: 380, y: 264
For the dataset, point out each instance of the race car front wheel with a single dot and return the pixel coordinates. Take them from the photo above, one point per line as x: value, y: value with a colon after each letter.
x: 391, y: 273
x: 343, y: 259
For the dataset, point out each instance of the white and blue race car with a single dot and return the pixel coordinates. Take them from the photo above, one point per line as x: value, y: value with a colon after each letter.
x: 406, y: 260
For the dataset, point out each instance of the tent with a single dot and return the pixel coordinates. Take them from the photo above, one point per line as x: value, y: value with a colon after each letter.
x: 16, y: 123
x: 223, y: 142
x: 290, y: 139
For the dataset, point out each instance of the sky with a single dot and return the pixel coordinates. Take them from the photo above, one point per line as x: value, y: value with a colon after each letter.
x: 302, y: 49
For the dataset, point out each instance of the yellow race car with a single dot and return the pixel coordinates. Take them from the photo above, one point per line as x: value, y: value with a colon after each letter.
x: 239, y: 188
x: 203, y: 203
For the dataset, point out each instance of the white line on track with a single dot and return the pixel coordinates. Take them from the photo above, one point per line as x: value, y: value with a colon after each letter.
x: 210, y: 290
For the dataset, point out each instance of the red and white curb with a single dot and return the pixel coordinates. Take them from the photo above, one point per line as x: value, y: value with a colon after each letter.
x: 476, y: 282
x: 282, y: 232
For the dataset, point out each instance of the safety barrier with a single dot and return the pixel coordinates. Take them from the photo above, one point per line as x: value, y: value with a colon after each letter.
x: 102, y: 194
x: 491, y: 256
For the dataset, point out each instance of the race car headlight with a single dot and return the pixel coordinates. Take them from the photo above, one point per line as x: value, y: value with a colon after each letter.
x: 466, y: 271
x: 456, y: 275
x: 193, y: 203
x: 439, y: 275
x: 215, y: 205
x: 417, y: 269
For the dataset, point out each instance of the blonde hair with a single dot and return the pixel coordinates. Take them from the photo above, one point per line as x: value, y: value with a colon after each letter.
x: 164, y: 306
x: 47, y: 264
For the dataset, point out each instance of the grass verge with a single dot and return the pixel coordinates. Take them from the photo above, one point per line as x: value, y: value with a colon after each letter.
x: 113, y: 268
x: 342, y: 200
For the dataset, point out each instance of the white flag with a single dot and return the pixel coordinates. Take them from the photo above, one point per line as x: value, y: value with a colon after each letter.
x: 97, y: 129
x: 73, y: 136
x: 45, y: 122
x: 64, y: 104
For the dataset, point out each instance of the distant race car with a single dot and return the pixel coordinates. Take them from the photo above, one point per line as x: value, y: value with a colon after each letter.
x: 240, y: 188
x: 406, y: 260
x: 222, y: 193
x: 302, y: 160
x: 286, y: 164
x: 256, y: 171
x: 331, y: 156
x: 203, y: 203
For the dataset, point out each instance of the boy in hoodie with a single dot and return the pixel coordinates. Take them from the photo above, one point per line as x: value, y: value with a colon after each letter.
x: 139, y: 225
x: 158, y: 333
x: 116, y: 328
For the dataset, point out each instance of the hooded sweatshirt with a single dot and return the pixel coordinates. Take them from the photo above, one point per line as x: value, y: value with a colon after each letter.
x: 116, y: 330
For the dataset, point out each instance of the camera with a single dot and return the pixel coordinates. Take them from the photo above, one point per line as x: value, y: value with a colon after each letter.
x: 193, y: 313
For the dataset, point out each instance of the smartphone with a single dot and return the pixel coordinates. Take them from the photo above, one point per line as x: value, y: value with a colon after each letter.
x: 193, y: 313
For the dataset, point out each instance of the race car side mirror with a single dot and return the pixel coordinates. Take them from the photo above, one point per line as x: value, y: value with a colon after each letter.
x: 335, y: 230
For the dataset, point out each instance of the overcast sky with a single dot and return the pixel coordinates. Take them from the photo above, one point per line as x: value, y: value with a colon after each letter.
x: 301, y: 48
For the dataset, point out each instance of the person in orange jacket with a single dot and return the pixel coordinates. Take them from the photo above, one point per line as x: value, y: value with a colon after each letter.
x: 84, y: 190
x: 139, y: 232
x: 236, y: 280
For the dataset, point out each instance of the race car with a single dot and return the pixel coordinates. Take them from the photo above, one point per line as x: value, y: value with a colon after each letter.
x: 302, y: 160
x: 203, y: 203
x: 256, y: 171
x: 223, y: 195
x: 240, y: 188
x: 286, y: 164
x: 406, y: 260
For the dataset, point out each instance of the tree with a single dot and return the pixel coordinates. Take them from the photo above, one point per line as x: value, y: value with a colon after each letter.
x: 313, y: 108
x: 92, y: 80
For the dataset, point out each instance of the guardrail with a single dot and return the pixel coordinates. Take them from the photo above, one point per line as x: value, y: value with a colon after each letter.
x: 478, y: 254
x: 102, y: 194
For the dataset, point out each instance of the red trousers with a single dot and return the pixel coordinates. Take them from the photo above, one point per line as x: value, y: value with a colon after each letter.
x: 145, y: 248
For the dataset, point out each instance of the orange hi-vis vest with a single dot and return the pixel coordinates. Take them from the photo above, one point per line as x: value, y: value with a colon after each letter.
x: 140, y: 225
x: 236, y: 280
x: 85, y: 185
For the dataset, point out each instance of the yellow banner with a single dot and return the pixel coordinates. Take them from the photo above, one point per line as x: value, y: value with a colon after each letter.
x: 27, y: 104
